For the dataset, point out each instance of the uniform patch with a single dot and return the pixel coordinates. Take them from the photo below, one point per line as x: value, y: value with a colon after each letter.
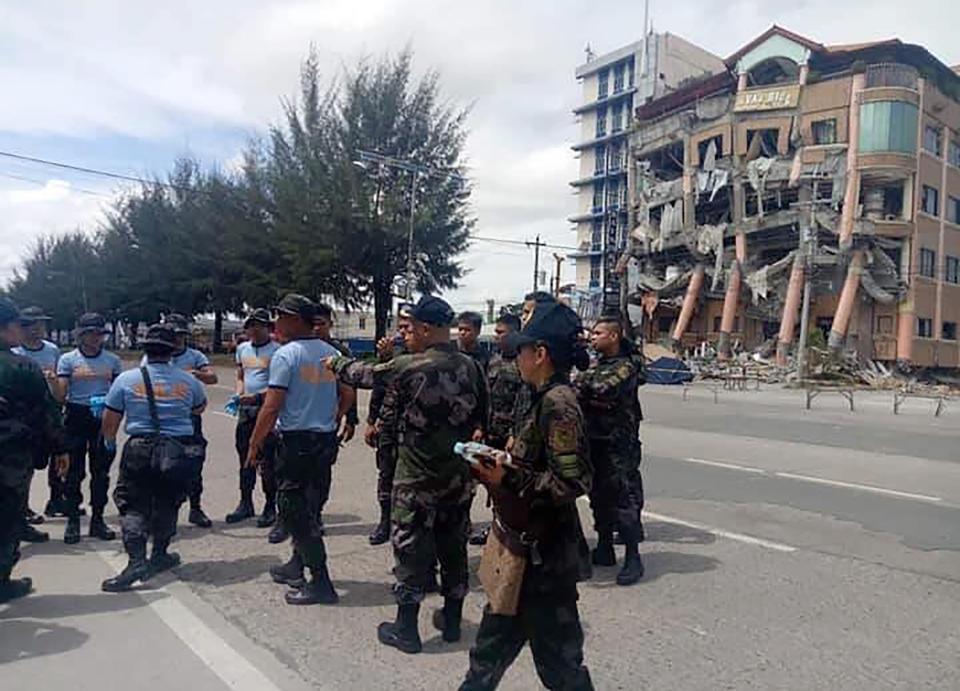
x: 563, y: 437
x: 569, y: 466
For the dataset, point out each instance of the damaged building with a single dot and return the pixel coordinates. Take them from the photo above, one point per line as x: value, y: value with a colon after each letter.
x: 800, y: 168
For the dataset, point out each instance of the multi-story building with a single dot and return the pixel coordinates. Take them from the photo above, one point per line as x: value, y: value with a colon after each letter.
x: 613, y: 85
x: 802, y: 168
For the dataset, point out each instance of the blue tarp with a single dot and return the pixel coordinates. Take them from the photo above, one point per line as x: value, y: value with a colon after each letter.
x: 668, y: 370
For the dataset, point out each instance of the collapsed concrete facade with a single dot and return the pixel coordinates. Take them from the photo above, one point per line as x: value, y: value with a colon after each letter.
x: 835, y: 168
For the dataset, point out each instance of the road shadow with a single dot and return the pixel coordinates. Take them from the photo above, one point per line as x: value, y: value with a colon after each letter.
x: 58, y: 606
x: 435, y: 645
x: 364, y: 593
x: 340, y: 518
x: 658, y: 531
x: 656, y: 565
x: 344, y: 530
x: 226, y: 572
x: 23, y: 639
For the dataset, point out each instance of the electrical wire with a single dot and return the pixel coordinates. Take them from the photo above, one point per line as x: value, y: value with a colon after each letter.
x: 44, y: 183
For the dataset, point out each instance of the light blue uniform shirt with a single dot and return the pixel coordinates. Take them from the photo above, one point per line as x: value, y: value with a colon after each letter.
x: 89, y: 376
x: 46, y: 356
x: 177, y: 394
x: 312, y: 390
x: 188, y: 360
x: 255, y: 363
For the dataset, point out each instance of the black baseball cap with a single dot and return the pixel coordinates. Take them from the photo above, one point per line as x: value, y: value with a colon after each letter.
x: 178, y: 322
x: 405, y: 310
x: 32, y: 315
x: 260, y: 315
x: 162, y: 335
x: 298, y: 305
x: 8, y: 311
x: 92, y: 321
x: 433, y: 310
x: 554, y: 325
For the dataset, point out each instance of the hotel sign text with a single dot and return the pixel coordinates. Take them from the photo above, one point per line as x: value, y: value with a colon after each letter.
x: 774, y: 98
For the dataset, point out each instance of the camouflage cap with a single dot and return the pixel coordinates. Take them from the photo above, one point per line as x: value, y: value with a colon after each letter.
x: 160, y: 335
x: 433, y: 310
x: 92, y: 321
x: 260, y: 315
x: 31, y: 315
x: 8, y: 311
x: 298, y: 305
x: 178, y: 322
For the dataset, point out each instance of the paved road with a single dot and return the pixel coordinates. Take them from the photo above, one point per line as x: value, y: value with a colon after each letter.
x: 788, y: 549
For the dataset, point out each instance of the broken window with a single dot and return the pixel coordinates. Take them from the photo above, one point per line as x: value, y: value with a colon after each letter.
x: 924, y: 327
x: 824, y: 131
x: 716, y: 324
x: 949, y: 331
x: 774, y: 199
x: 953, y: 210
x: 930, y: 203
x: 762, y: 143
x: 666, y: 163
x: 931, y: 139
x: 713, y: 212
x: 824, y: 191
x: 705, y: 144
x: 778, y: 70
x: 882, y: 202
x: 928, y: 262
x: 952, y: 270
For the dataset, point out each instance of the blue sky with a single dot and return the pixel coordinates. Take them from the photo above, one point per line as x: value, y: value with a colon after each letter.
x: 129, y: 87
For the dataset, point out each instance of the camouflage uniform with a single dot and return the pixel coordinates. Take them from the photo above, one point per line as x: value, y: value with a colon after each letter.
x: 352, y: 418
x: 387, y: 434
x: 30, y: 430
x: 608, y: 396
x: 505, y: 385
x: 480, y: 356
x: 552, y: 451
x: 439, y: 397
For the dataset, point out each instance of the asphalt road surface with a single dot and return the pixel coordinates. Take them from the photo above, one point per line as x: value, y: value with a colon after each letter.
x: 786, y: 549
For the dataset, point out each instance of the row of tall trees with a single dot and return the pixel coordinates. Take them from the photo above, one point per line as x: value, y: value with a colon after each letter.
x: 301, y: 215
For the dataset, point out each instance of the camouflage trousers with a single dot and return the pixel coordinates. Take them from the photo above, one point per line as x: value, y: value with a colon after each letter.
x: 386, y: 469
x: 11, y: 521
x: 248, y: 476
x: 304, y: 462
x: 552, y: 627
x: 423, y: 532
x: 617, y: 494
x: 148, y: 502
x: 83, y: 441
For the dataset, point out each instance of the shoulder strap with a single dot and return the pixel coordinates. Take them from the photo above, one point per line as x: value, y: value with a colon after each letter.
x: 151, y: 399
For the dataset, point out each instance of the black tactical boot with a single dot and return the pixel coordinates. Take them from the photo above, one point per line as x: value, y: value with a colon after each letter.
x: 381, y: 533
x: 269, y: 515
x: 160, y: 559
x: 319, y: 591
x: 447, y: 620
x: 632, y: 570
x: 12, y: 588
x: 433, y: 585
x: 278, y: 534
x: 243, y: 511
x: 136, y: 570
x: 30, y: 534
x: 71, y: 535
x: 402, y: 634
x: 32, y: 517
x: 100, y: 529
x: 54, y: 508
x: 198, y: 518
x: 604, y: 555
x: 290, y: 573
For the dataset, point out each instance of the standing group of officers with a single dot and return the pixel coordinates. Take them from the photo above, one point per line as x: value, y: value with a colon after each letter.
x: 567, y: 434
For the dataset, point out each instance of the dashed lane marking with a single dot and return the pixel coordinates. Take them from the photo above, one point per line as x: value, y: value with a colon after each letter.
x: 720, y: 532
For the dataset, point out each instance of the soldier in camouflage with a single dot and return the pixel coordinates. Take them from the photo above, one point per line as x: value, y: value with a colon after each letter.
x: 608, y: 396
x: 469, y: 325
x: 440, y: 397
x: 535, y: 512
x: 30, y: 430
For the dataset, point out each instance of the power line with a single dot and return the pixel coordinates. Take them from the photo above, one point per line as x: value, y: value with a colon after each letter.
x: 522, y: 242
x: 44, y: 183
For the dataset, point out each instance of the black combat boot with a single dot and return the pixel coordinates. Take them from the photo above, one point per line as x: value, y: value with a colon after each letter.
x: 381, y: 533
x: 243, y: 511
x: 13, y: 588
x: 71, y: 535
x: 30, y: 534
x: 290, y: 573
x: 278, y: 534
x: 604, y: 555
x: 160, y: 559
x: 269, y: 515
x: 136, y: 569
x: 433, y: 584
x: 100, y: 529
x: 198, y: 518
x: 632, y: 570
x: 319, y: 591
x: 402, y: 634
x: 54, y: 508
x: 32, y: 517
x: 447, y: 620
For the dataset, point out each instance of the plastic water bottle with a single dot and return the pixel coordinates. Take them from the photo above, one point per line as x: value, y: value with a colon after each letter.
x: 480, y: 454
x: 232, y: 406
x: 97, y: 404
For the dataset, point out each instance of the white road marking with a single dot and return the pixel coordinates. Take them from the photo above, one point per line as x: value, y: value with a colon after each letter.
x: 719, y: 532
x: 224, y: 387
x: 730, y: 466
x: 865, y: 488
x: 223, y: 660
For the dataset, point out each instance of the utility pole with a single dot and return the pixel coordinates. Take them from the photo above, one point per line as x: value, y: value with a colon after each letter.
x: 558, y: 258
x: 536, y: 260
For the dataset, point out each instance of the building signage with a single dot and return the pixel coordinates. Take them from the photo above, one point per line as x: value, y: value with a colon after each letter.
x: 771, y: 98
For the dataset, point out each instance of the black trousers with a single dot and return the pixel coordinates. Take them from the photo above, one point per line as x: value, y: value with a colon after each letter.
x: 246, y: 421
x: 84, y: 441
x: 304, y: 462
x: 11, y: 521
x: 199, y: 446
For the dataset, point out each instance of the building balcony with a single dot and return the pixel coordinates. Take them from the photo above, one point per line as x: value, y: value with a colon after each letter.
x: 587, y: 216
x: 605, y: 100
x: 613, y: 136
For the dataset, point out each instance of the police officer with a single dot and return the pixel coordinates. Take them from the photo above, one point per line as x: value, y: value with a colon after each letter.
x: 155, y: 467
x: 306, y: 404
x: 608, y: 395
x: 30, y: 430
x: 440, y: 397
x: 84, y: 374
x: 469, y: 325
x: 45, y: 354
x: 196, y: 363
x: 253, y: 374
x: 536, y: 515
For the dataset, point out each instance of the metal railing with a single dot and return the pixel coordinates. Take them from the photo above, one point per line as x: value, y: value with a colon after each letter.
x: 891, y: 74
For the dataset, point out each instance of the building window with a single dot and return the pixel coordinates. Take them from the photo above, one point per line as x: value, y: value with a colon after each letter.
x: 602, y: 83
x: 888, y: 126
x: 601, y: 157
x: 949, y: 331
x: 931, y: 139
x: 716, y: 324
x: 594, y: 272
x: 601, y: 122
x: 928, y: 262
x: 614, y: 163
x: 613, y: 192
x: 930, y: 201
x: 596, y: 236
x: 597, y: 196
x: 885, y: 324
x: 953, y: 210
x: 924, y: 328
x: 952, y: 270
x: 824, y: 131
x: 617, y: 118
x: 363, y: 323
x: 619, y: 73
x: 953, y: 156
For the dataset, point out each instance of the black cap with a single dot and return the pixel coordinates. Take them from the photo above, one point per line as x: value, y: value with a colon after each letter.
x: 31, y: 315
x: 161, y: 335
x: 405, y: 310
x: 433, y: 310
x: 260, y: 315
x: 178, y: 322
x: 8, y: 311
x: 554, y: 325
x: 91, y: 321
x: 298, y: 305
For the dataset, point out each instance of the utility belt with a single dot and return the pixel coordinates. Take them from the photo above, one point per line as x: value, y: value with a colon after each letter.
x: 305, y: 436
x: 520, y: 543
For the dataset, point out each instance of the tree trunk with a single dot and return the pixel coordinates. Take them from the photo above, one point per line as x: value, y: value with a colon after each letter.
x: 382, y: 304
x: 217, y: 331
